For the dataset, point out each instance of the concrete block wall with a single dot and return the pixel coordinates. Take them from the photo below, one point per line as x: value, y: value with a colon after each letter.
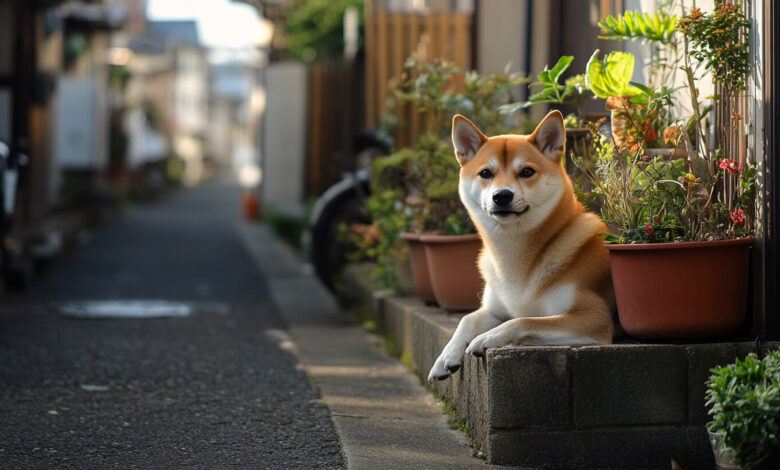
x: 617, y: 406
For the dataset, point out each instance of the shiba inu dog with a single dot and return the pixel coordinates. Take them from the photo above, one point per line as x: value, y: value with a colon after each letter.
x: 547, y: 275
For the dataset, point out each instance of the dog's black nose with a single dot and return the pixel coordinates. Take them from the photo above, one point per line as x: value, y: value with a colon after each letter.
x: 503, y: 198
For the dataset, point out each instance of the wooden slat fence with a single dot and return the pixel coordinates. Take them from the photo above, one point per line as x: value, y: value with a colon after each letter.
x: 391, y: 37
x: 336, y: 112
x: 334, y: 118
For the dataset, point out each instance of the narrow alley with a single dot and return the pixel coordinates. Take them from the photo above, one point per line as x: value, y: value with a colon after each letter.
x: 207, y: 390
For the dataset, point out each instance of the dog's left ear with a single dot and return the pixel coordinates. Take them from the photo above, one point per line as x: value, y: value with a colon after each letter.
x: 550, y: 135
x: 466, y: 138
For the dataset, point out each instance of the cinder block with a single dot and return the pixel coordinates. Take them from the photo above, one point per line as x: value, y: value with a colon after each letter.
x: 746, y: 347
x: 470, y: 397
x: 702, y: 358
x: 430, y: 330
x: 629, y: 384
x: 529, y: 386
x: 634, y: 447
x: 397, y: 311
x: 378, y: 305
x: 358, y: 287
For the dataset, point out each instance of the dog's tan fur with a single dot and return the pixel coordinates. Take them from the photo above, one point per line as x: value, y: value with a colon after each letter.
x: 546, y: 271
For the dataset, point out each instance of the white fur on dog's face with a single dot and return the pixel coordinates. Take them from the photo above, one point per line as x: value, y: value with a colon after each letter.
x: 525, y: 170
x: 533, y: 198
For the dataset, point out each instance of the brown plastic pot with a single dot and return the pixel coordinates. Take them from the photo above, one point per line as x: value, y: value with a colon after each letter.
x: 452, y: 263
x: 419, y: 264
x: 681, y: 290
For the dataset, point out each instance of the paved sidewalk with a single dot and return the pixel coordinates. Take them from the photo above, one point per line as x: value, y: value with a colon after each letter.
x: 384, y: 418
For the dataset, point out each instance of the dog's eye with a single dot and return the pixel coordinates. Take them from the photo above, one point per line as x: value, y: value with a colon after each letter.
x: 486, y: 174
x: 527, y: 172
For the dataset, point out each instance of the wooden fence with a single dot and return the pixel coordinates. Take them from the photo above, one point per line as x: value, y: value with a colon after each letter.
x: 391, y: 37
x: 335, y: 88
x: 334, y: 118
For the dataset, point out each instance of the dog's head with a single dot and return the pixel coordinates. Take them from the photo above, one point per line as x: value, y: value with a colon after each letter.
x: 511, y: 180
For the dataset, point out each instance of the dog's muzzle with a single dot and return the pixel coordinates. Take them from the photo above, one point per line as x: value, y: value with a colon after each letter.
x: 509, y: 212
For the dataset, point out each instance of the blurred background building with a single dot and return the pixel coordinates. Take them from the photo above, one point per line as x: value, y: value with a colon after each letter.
x: 109, y: 103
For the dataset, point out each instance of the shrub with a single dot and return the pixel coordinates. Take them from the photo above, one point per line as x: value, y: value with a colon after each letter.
x: 744, y: 401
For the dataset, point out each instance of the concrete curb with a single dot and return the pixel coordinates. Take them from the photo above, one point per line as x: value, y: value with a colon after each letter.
x: 383, y: 416
x: 617, y: 406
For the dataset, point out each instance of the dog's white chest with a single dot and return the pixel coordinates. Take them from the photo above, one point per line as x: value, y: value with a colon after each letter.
x: 520, y: 293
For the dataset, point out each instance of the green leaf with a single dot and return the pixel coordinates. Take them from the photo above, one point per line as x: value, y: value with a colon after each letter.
x: 560, y: 67
x: 638, y: 26
x: 544, y: 94
x: 544, y: 77
x: 612, y: 76
x: 511, y: 108
x: 644, y: 89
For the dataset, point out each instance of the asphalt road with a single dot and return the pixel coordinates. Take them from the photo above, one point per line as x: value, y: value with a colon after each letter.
x: 211, y: 390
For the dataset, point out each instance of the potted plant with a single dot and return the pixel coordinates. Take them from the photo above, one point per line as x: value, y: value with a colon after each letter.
x: 449, y: 240
x: 414, y: 190
x: 571, y: 93
x: 744, y: 402
x: 680, y: 220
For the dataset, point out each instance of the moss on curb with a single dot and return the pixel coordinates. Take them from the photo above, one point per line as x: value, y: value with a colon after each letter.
x: 455, y: 422
x: 364, y: 316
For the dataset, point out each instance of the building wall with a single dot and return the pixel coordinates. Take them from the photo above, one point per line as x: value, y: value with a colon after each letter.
x: 502, y: 36
x: 7, y: 32
x: 190, y: 111
x: 284, y: 137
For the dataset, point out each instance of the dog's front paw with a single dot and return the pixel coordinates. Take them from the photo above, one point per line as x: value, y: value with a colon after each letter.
x: 445, y: 365
x: 485, y: 341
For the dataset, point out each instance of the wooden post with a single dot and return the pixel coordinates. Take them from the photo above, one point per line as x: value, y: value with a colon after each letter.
x: 370, y: 65
x: 461, y: 44
x: 442, y: 32
x: 414, y: 46
x: 430, y: 29
x: 382, y: 58
x: 314, y: 167
x: 397, y: 58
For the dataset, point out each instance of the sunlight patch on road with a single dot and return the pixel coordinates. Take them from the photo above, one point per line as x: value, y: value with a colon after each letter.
x: 125, y: 309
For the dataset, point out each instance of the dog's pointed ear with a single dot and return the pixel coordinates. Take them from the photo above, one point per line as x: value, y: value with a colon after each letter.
x: 466, y: 138
x: 550, y: 136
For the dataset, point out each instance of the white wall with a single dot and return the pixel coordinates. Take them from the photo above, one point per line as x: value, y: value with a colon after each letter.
x: 284, y: 137
x: 641, y: 53
x: 78, y: 136
x: 501, y: 36
x: 191, y: 90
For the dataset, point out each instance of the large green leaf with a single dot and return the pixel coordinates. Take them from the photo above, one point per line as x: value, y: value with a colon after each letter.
x: 611, y: 76
x: 638, y: 26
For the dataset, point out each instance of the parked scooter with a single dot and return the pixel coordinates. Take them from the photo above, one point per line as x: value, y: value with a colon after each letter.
x: 344, y: 203
x: 11, y: 164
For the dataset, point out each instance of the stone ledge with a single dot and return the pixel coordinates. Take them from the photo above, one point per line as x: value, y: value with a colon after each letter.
x: 616, y: 406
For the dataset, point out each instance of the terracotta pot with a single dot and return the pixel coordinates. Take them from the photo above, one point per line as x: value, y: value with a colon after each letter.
x: 452, y: 263
x: 681, y: 290
x: 250, y: 205
x: 419, y: 264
